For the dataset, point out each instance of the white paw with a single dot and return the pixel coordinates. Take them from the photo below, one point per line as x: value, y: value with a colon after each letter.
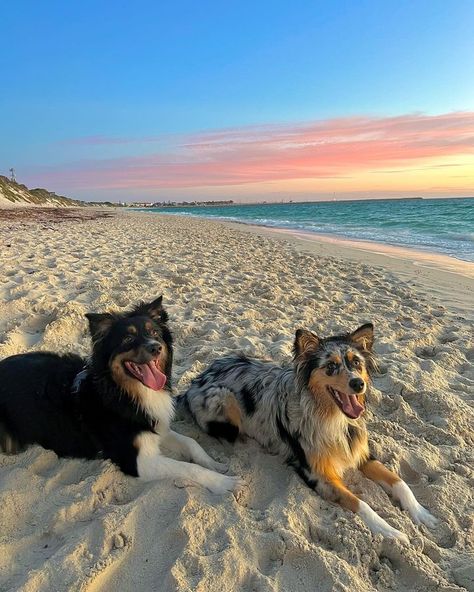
x: 221, y: 467
x: 408, y: 501
x: 226, y: 483
x: 378, y: 525
x: 393, y: 533
x: 422, y: 516
x: 217, y: 466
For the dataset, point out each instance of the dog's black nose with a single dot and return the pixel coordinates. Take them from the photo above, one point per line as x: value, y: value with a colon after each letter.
x: 357, y: 384
x: 154, y: 348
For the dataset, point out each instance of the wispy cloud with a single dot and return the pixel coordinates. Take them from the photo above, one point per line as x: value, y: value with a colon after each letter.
x: 108, y: 140
x: 334, y: 148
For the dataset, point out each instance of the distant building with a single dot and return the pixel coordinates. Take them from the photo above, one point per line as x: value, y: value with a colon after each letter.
x: 187, y: 204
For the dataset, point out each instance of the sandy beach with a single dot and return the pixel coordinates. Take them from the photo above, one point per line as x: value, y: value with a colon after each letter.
x: 447, y: 279
x: 73, y: 525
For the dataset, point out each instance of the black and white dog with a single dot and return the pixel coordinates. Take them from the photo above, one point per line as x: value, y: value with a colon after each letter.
x: 117, y: 405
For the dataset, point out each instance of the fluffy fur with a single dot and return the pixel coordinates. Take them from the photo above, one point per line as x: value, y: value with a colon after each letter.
x: 117, y: 405
x: 311, y: 413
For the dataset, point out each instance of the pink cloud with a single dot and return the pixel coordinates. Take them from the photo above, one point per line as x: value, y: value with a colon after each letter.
x: 333, y: 148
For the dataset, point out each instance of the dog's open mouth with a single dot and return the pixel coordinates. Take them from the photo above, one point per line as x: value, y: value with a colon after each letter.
x: 348, y: 404
x: 149, y: 374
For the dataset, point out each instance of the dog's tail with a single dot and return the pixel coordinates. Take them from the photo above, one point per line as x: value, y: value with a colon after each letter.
x: 216, y: 411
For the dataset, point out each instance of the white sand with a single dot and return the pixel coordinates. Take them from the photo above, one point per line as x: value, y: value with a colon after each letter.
x: 77, y: 525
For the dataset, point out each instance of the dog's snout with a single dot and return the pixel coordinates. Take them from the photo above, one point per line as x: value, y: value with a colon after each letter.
x: 154, y: 348
x: 357, y: 384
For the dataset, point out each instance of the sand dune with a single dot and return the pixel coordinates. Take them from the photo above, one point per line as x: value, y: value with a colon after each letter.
x: 77, y: 525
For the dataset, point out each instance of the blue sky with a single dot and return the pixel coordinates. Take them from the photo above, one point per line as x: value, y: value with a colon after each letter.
x: 150, y: 70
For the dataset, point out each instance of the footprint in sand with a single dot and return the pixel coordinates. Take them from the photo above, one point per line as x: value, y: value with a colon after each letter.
x: 19, y: 341
x: 426, y: 352
x: 31, y: 332
x: 271, y: 555
x: 449, y: 337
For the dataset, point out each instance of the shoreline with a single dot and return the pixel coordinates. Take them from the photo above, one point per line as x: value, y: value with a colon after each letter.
x: 450, y: 262
x: 426, y: 258
x: 369, y: 244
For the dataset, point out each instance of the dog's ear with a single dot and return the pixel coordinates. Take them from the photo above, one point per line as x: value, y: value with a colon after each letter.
x: 99, y: 323
x: 306, y: 342
x: 153, y: 309
x: 363, y: 337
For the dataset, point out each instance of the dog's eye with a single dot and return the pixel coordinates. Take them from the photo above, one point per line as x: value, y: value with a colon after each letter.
x: 155, y: 332
x: 331, y: 368
x: 356, y: 363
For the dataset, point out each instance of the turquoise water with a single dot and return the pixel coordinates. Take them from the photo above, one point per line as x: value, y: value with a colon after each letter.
x: 439, y: 225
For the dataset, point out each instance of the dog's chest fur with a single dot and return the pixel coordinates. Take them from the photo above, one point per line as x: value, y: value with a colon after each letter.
x: 335, y: 437
x: 158, y: 405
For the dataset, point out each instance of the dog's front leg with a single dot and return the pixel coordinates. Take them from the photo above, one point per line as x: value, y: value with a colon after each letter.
x: 392, y: 483
x: 328, y: 483
x: 152, y: 465
x: 189, y: 449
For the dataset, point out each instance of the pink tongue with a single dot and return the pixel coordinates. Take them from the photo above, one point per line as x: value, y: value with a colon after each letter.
x: 148, y: 374
x: 351, y: 406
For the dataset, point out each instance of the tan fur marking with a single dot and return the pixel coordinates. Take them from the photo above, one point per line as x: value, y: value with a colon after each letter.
x: 376, y: 471
x: 350, y: 356
x: 232, y: 411
x: 364, y: 374
x: 136, y: 442
x: 323, y: 466
x: 318, y: 384
x: 163, y: 356
x: 336, y: 359
x: 325, y: 403
x: 131, y: 385
x: 320, y: 380
x: 347, y: 499
x: 360, y: 449
x: 132, y: 330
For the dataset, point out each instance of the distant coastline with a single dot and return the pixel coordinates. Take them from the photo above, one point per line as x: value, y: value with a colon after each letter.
x: 224, y: 203
x: 218, y: 203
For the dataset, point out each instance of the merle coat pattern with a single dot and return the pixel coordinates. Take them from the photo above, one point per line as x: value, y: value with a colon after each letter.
x: 310, y: 412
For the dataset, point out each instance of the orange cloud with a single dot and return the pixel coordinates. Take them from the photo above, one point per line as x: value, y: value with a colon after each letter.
x: 315, y: 155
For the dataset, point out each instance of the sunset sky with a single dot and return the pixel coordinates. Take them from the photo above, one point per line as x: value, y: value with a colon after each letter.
x: 243, y: 100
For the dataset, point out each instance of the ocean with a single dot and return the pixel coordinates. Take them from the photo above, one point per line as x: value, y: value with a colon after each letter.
x: 437, y: 225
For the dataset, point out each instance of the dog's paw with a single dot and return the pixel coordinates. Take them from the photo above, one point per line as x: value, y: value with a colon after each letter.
x: 203, y: 459
x: 226, y: 483
x: 420, y: 515
x: 378, y: 525
x: 218, y: 466
x: 212, y: 465
x: 409, y: 503
x: 393, y: 533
